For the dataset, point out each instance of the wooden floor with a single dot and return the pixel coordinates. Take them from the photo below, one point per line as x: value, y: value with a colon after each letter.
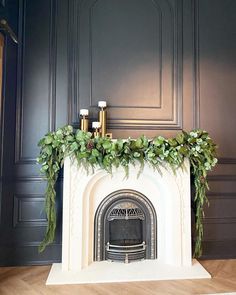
x: 31, y: 281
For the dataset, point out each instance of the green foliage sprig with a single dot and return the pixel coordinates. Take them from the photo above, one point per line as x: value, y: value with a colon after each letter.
x: 106, y: 154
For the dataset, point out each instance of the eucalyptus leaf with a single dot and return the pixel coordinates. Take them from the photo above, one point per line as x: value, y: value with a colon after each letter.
x: 48, y: 139
x: 138, y: 143
x: 106, y: 145
x: 119, y: 144
x: 158, y: 140
x: 95, y: 152
x: 48, y: 150
x: 180, y: 138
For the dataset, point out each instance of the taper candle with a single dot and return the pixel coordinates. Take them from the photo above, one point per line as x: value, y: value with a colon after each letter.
x: 96, y: 125
x: 84, y: 112
x: 102, y: 104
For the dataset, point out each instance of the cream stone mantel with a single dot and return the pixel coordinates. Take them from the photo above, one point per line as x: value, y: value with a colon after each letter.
x: 169, y: 193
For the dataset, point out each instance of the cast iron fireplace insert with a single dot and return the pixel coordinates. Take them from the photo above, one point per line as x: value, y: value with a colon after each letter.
x: 125, y: 226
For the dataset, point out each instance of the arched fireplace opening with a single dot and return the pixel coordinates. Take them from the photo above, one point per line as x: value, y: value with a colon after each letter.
x: 125, y: 228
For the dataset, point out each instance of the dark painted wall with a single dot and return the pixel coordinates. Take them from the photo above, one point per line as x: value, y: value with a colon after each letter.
x: 216, y: 92
x: 161, y: 65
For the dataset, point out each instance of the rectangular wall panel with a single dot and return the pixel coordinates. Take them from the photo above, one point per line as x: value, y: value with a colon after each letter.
x: 33, y: 78
x: 217, y: 71
x: 130, y: 54
x: 29, y: 211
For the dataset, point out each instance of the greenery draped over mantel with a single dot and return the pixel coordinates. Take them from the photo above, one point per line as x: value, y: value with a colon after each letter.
x: 107, y: 154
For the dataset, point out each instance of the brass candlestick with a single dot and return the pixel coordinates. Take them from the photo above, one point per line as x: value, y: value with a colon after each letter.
x: 84, y: 120
x: 84, y: 124
x: 103, y: 121
x: 96, y: 133
x: 103, y: 117
x: 96, y: 126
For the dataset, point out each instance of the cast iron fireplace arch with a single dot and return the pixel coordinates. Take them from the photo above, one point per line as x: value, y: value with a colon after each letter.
x: 144, y: 211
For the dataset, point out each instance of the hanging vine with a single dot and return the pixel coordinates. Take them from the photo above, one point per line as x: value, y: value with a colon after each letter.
x: 107, y: 154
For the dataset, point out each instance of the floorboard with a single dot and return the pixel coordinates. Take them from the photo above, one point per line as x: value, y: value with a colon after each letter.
x: 31, y: 280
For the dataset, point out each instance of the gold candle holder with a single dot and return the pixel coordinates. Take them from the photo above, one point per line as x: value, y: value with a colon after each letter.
x: 103, y: 117
x: 84, y: 124
x: 84, y: 120
x: 96, y: 133
x: 96, y: 126
x: 103, y: 120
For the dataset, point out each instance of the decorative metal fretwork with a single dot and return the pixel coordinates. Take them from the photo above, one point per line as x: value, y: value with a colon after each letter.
x: 126, y: 210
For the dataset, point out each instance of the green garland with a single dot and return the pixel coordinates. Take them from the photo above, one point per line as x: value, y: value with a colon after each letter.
x: 107, y: 153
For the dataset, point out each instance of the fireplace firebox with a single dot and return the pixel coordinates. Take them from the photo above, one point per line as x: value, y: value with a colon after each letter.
x: 125, y: 228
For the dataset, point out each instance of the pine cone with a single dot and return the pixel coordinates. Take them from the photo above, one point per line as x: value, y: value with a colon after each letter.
x: 90, y: 145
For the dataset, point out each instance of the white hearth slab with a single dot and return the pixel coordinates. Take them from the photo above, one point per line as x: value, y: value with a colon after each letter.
x: 107, y: 272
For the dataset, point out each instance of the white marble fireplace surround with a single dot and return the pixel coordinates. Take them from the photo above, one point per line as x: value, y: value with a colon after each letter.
x: 168, y: 192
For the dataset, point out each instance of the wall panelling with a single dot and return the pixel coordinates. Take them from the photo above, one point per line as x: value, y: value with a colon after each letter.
x: 162, y: 66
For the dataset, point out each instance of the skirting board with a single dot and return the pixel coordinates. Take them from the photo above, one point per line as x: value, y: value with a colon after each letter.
x: 107, y: 272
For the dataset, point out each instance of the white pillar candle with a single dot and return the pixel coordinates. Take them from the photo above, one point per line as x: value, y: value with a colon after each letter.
x: 84, y: 112
x: 102, y: 104
x: 96, y: 124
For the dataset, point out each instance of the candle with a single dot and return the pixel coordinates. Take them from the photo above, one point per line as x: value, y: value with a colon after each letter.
x: 102, y: 104
x: 96, y: 125
x: 84, y: 112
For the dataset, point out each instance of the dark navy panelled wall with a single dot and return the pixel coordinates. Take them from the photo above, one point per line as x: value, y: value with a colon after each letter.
x: 162, y: 66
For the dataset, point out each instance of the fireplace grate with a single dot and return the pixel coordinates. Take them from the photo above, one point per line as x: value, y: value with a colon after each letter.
x: 126, y: 253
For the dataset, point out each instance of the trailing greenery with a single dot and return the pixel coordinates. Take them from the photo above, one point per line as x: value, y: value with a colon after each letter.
x: 107, y: 154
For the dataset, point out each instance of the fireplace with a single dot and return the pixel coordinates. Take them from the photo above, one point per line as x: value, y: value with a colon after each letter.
x: 126, y: 229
